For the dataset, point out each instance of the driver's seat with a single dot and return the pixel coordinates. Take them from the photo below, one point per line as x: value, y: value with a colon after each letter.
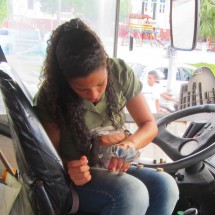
x: 40, y: 168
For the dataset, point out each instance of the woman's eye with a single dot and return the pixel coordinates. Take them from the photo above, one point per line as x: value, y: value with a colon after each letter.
x: 101, y: 84
x: 82, y: 90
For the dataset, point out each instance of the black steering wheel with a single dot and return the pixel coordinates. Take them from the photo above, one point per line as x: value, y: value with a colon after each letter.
x: 187, y: 150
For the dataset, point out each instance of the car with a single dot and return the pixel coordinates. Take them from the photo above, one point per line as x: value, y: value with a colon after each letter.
x: 7, y: 40
x: 23, y: 42
x: 183, y: 74
x: 138, y: 69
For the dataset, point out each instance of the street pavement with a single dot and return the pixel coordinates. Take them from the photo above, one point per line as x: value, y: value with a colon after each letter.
x: 149, y: 55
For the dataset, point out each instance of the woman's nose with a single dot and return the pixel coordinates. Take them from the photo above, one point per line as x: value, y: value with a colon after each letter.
x: 94, y: 94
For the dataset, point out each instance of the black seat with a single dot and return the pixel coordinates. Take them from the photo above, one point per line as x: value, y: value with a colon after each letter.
x: 40, y: 167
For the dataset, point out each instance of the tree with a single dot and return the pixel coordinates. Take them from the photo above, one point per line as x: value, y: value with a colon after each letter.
x: 75, y: 7
x: 3, y: 11
x: 124, y: 10
x: 207, y: 21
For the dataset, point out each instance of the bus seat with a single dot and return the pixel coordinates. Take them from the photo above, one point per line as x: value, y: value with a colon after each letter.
x: 39, y: 165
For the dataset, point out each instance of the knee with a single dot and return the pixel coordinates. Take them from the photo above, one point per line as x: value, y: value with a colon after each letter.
x: 134, y: 194
x: 168, y: 186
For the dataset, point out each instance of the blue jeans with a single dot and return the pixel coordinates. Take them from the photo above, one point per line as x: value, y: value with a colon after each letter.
x: 140, y: 191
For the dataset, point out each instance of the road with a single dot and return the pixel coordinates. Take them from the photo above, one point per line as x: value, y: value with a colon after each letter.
x: 147, y: 54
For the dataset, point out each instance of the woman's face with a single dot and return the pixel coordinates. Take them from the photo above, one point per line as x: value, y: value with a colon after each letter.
x: 92, y: 86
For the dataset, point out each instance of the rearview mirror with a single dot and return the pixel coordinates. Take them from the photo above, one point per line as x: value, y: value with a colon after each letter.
x: 184, y: 20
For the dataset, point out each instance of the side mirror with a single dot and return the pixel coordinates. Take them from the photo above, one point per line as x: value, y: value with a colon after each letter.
x: 184, y: 21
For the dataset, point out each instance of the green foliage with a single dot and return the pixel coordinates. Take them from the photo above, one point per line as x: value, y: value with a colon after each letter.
x: 124, y: 10
x: 211, y: 66
x: 51, y: 7
x: 3, y: 11
x: 76, y: 8
x: 207, y: 20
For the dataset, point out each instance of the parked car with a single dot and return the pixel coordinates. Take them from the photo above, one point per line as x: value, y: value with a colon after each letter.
x: 138, y: 69
x: 21, y: 41
x: 183, y: 74
x: 7, y: 40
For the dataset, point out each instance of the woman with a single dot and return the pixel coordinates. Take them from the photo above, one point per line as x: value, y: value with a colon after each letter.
x: 84, y: 90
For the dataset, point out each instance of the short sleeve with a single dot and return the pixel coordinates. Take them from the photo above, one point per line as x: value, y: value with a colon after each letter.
x: 124, y: 79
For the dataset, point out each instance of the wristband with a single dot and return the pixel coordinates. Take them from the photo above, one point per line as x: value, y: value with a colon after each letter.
x: 130, y: 154
x: 106, y: 153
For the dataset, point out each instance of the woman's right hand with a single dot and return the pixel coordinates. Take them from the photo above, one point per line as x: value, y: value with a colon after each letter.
x: 79, y: 171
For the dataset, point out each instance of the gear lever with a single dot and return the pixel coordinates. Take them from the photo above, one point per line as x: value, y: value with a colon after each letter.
x: 190, y: 211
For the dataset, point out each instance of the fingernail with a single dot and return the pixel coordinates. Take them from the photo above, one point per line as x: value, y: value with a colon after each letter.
x: 84, y: 162
x: 160, y: 169
x: 122, y: 172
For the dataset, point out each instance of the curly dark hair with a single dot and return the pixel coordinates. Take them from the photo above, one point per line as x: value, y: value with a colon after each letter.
x: 73, y: 51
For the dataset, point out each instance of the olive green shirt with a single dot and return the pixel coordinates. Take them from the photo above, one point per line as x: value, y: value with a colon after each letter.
x: 126, y: 85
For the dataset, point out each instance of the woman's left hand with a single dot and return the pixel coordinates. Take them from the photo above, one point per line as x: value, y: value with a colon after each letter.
x: 117, y: 164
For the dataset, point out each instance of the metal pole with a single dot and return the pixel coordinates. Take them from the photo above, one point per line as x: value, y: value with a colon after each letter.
x: 115, y: 43
x: 59, y: 12
x: 171, y: 79
x: 154, y: 11
x: 142, y: 10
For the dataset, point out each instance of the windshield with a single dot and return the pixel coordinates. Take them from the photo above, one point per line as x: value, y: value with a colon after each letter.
x: 26, y: 27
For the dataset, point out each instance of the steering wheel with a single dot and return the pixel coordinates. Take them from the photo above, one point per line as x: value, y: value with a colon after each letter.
x: 186, y: 151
